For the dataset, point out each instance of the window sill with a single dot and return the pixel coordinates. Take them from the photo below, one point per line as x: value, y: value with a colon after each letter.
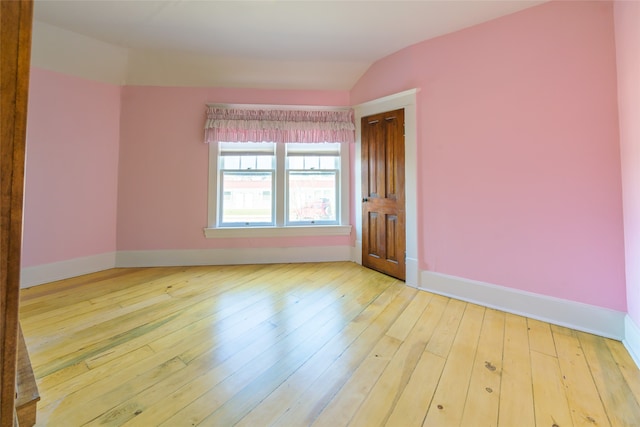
x: 291, y: 231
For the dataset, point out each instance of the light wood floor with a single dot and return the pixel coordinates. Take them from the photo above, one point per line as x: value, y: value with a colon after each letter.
x: 307, y: 344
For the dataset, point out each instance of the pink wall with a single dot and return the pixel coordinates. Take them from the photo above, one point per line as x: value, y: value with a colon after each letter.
x: 163, y: 176
x: 519, y: 177
x: 519, y: 167
x: 71, y: 170
x: 627, y: 19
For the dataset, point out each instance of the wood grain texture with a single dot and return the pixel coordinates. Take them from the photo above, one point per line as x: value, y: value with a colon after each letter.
x: 516, y: 394
x: 330, y: 344
x: 27, y: 395
x: 383, y: 191
x: 15, y: 45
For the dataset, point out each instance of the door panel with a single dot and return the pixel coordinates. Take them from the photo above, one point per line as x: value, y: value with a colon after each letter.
x: 392, y: 236
x: 373, y: 235
x: 383, y: 204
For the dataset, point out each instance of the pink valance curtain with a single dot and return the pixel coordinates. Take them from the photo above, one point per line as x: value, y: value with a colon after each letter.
x: 267, y: 125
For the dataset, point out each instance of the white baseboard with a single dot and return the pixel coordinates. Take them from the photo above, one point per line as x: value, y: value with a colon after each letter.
x: 575, y: 315
x: 164, y: 258
x: 631, y: 339
x: 39, y: 274
x: 356, y: 252
x: 412, y: 277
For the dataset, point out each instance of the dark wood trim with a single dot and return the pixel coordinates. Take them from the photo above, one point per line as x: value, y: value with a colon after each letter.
x: 15, y: 45
x: 27, y: 397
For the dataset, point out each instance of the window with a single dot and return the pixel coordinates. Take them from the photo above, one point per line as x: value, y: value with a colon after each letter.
x: 247, y: 180
x: 278, y: 184
x: 297, y: 185
x: 312, y: 183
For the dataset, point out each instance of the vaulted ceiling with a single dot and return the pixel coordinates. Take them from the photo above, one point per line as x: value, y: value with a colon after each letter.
x: 331, y: 42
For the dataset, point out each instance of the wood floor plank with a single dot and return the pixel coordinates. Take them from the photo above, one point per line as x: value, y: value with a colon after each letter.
x: 413, y: 405
x: 59, y: 388
x: 582, y: 394
x: 413, y: 402
x: 379, y: 403
x: 67, y: 289
x: 540, y: 337
x: 371, y: 326
x: 237, y: 407
x: 619, y: 402
x: 125, y: 329
x: 121, y: 412
x: 229, y: 374
x: 550, y: 401
x: 286, y: 394
x: 449, y: 400
x: 237, y: 308
x: 63, y: 294
x: 173, y: 352
x: 292, y: 345
x: 442, y: 340
x: 251, y: 394
x: 555, y: 329
x: 262, y: 368
x: 346, y: 402
x: 85, y: 319
x: 405, y: 323
x: 284, y: 303
x: 85, y: 413
x: 203, y: 373
x: 516, y: 394
x: 626, y: 365
x: 483, y: 398
x: 355, y: 389
x: 224, y: 405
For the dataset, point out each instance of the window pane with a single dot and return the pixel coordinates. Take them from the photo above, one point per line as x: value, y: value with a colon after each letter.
x: 229, y: 148
x: 296, y: 162
x: 248, y: 162
x: 247, y: 197
x: 322, y: 149
x: 264, y: 162
x: 311, y: 162
x: 231, y: 162
x: 312, y: 196
x: 328, y: 163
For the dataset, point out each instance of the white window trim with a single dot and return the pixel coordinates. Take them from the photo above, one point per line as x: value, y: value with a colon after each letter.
x: 289, y: 231
x: 280, y: 229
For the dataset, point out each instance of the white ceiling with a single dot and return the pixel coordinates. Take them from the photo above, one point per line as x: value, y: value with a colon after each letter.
x: 341, y: 38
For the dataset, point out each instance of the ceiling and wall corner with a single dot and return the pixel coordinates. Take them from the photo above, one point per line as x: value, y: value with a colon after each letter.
x: 246, y: 44
x: 73, y: 54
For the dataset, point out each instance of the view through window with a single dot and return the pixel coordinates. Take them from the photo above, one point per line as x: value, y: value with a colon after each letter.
x: 262, y: 184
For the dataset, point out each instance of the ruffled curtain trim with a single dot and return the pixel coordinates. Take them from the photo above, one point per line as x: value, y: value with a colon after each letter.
x: 251, y: 125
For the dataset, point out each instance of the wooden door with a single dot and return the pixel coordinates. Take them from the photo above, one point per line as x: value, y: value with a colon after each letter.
x: 383, y: 207
x: 15, y: 45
